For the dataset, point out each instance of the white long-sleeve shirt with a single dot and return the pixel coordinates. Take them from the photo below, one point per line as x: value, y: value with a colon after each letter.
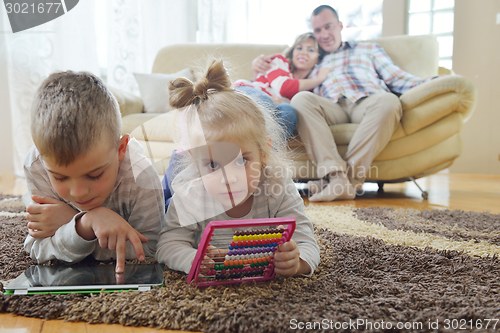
x: 137, y: 197
x: 274, y: 197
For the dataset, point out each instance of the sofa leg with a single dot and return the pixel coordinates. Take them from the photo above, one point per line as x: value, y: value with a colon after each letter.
x: 425, y: 195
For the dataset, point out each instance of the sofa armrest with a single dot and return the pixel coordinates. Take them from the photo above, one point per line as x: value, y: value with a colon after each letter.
x: 445, y: 71
x: 435, y: 99
x: 129, y: 103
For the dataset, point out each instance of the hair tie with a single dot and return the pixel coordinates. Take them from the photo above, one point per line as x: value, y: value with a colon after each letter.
x: 200, y: 89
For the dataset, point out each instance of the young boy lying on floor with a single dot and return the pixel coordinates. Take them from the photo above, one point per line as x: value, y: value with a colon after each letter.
x: 91, y: 189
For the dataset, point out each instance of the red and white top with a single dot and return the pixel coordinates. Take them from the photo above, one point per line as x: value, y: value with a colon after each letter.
x: 277, y: 81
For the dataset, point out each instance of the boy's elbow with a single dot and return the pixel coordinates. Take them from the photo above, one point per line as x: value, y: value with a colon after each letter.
x: 34, y: 255
x: 28, y: 245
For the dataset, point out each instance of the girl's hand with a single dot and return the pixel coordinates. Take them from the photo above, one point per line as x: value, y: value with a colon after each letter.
x: 47, y: 215
x: 216, y: 254
x: 287, y: 260
x: 323, y: 73
x: 206, y: 265
x: 213, y: 256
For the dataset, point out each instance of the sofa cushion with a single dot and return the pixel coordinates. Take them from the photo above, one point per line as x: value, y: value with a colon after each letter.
x: 237, y: 57
x: 154, y: 91
x: 151, y: 126
x: 128, y: 103
x: 418, y: 55
x: 422, y: 139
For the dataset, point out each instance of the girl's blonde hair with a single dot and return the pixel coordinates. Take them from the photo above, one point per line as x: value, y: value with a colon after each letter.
x: 298, y: 40
x: 226, y: 114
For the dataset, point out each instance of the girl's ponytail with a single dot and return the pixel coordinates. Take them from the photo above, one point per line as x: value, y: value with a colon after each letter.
x: 184, y: 92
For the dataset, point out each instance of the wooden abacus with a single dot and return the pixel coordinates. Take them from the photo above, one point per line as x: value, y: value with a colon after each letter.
x: 242, y: 255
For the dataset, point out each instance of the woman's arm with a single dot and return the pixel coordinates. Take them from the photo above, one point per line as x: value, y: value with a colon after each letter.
x: 281, y: 79
x: 309, y: 84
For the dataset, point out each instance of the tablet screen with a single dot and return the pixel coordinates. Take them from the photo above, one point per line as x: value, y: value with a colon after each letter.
x: 39, y: 277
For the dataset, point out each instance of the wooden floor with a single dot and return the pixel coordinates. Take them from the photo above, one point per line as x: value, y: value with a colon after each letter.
x: 446, y: 191
x: 480, y: 193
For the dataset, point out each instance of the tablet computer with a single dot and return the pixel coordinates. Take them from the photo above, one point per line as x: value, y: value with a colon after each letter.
x: 85, y: 279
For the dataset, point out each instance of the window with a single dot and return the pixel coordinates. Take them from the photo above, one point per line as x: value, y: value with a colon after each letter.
x: 281, y: 21
x: 434, y: 17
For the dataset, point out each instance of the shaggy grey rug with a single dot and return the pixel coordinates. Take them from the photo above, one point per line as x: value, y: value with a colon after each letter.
x: 381, y: 270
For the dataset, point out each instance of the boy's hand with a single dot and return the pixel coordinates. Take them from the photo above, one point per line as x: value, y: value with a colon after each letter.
x: 47, y: 215
x: 112, y: 231
x: 287, y: 262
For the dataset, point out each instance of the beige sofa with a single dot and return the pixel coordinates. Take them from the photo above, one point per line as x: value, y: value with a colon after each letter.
x: 427, y: 139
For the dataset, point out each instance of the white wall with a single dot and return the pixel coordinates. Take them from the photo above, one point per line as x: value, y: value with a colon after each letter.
x: 476, y: 55
x: 394, y: 17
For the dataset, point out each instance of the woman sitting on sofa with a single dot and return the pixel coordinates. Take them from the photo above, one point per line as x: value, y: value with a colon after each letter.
x: 286, y: 77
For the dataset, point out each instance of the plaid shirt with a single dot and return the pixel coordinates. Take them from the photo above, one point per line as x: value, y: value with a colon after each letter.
x: 360, y: 70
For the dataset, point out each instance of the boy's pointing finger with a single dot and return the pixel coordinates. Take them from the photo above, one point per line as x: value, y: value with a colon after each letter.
x: 121, y: 250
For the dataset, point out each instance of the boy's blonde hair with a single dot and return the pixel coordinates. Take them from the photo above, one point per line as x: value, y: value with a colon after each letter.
x: 298, y: 40
x: 71, y: 113
x: 226, y: 113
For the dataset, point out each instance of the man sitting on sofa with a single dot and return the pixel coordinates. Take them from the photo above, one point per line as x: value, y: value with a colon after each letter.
x: 361, y: 89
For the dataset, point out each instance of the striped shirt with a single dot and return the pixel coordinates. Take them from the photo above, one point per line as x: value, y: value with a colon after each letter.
x: 187, y: 218
x: 277, y: 81
x: 137, y: 197
x: 360, y: 70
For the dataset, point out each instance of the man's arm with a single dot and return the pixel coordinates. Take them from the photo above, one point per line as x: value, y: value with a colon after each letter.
x: 261, y: 64
x: 394, y: 77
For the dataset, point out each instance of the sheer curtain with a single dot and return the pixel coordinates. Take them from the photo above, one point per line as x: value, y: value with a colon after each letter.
x: 138, y: 29
x: 281, y: 21
x: 133, y: 34
x: 62, y: 44
x: 135, y: 31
